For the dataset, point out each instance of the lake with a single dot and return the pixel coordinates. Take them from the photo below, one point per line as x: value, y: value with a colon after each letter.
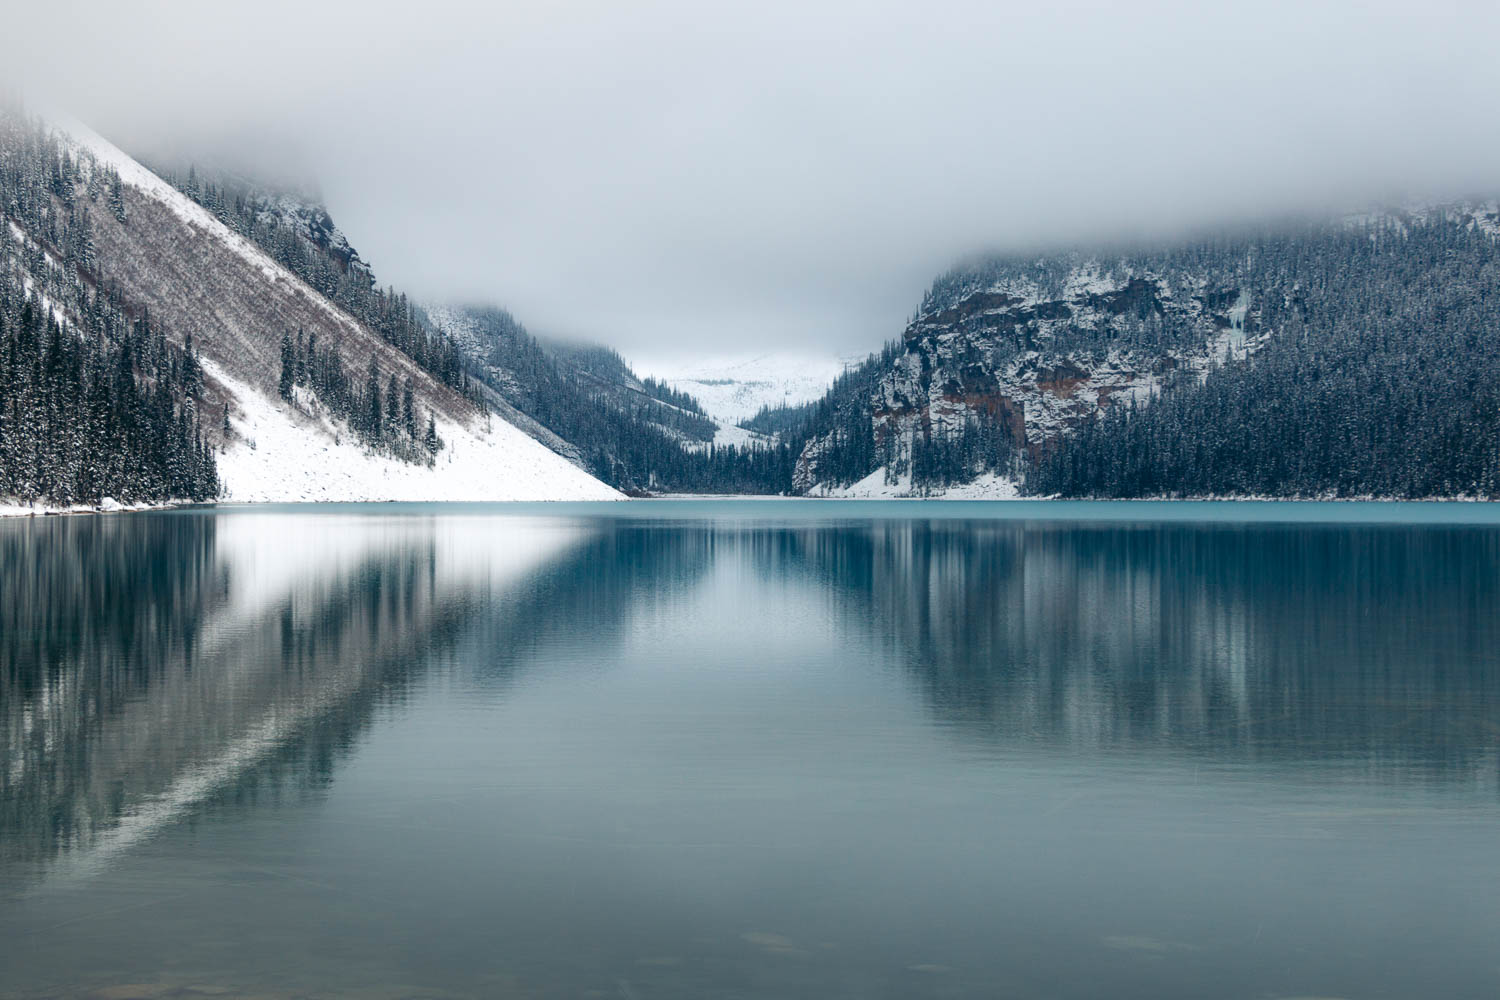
x: 752, y: 749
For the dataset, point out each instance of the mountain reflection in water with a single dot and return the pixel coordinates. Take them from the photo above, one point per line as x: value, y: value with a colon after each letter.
x: 578, y: 683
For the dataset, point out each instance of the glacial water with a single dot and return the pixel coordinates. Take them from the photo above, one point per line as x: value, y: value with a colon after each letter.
x: 752, y: 749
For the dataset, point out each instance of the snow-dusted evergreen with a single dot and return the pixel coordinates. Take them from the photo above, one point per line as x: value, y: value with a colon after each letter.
x: 94, y: 405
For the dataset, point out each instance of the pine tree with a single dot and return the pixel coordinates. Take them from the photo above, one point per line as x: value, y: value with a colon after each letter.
x: 116, y: 197
x: 374, y: 410
x: 288, y: 367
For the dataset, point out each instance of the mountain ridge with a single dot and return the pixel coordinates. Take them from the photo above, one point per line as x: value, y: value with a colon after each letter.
x: 1349, y: 356
x: 157, y: 252
x: 1013, y: 361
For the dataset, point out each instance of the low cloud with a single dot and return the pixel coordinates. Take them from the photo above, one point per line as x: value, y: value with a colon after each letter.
x: 701, y: 178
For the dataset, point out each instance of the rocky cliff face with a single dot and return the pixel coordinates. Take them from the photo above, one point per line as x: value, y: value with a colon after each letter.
x: 1009, y: 354
x: 1013, y: 355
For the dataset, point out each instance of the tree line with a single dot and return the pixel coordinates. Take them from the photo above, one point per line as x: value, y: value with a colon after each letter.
x: 109, y: 413
x: 1381, y: 377
x: 381, y: 411
x: 94, y: 402
x: 302, y: 239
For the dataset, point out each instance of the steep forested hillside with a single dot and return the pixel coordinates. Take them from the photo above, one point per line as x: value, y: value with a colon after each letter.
x: 264, y: 378
x: 301, y: 236
x: 1378, y: 374
x: 636, y: 434
x: 840, y: 423
x: 94, y: 403
x: 1349, y: 357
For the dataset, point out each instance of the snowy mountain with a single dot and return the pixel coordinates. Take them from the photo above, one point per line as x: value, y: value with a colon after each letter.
x: 996, y: 364
x: 585, y: 402
x: 734, y: 389
x: 305, y: 434
x: 195, y: 337
x: 1353, y: 356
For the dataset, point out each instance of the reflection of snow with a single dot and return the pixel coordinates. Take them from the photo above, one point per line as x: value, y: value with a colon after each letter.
x: 233, y: 702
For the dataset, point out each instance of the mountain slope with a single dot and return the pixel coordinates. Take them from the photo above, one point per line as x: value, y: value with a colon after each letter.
x: 97, y: 407
x: 587, y: 404
x: 159, y: 253
x: 1345, y: 357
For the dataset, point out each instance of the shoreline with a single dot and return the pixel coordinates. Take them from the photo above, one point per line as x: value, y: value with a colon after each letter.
x: 12, y: 509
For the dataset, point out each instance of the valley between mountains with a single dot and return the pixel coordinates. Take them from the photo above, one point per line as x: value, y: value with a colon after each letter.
x: 169, y: 333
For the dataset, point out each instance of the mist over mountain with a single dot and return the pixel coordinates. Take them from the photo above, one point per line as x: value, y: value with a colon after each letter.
x: 444, y: 453
x: 1172, y: 246
x: 1352, y: 356
x: 671, y: 181
x: 169, y: 338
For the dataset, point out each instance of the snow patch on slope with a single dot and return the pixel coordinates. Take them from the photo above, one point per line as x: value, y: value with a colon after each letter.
x: 734, y: 435
x: 278, y: 455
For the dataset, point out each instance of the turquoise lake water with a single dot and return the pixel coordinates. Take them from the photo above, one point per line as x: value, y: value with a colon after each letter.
x: 752, y: 749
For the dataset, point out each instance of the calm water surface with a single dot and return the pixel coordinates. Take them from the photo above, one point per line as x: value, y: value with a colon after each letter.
x: 772, y: 749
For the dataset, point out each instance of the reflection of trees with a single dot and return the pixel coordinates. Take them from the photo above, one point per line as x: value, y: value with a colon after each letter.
x: 96, y: 611
x: 145, y: 670
x: 157, y: 687
x: 100, y: 600
x: 147, y: 673
x: 1303, y: 641
x: 586, y: 599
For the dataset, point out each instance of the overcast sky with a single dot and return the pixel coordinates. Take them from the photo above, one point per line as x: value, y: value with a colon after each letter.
x: 710, y: 177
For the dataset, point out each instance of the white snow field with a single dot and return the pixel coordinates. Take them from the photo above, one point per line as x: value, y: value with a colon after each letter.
x: 271, y: 565
x: 732, y: 389
x: 199, y: 278
x: 282, y: 455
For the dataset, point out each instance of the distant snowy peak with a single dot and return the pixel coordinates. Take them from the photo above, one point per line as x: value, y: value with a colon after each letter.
x: 733, y: 389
